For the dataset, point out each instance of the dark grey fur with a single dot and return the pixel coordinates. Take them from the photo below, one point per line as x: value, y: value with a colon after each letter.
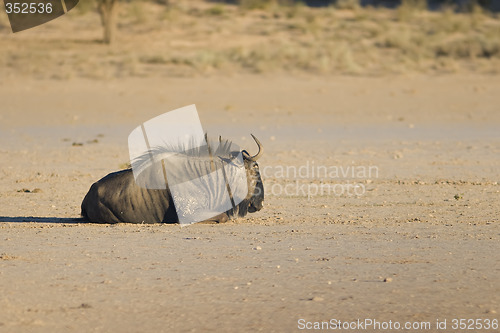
x: 117, y: 198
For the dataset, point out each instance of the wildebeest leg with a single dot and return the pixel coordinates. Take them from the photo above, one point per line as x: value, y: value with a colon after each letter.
x: 221, y: 218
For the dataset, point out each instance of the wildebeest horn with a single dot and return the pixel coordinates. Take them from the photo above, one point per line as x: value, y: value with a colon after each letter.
x: 259, y: 153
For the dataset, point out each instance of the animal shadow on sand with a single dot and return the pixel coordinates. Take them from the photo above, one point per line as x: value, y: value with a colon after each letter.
x: 36, y: 219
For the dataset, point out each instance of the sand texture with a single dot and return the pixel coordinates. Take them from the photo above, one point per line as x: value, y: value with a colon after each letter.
x: 418, y: 243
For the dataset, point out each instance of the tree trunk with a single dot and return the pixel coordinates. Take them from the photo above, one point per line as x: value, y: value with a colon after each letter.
x: 106, y: 9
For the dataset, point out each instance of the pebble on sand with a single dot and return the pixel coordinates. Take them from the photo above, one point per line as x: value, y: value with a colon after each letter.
x: 317, y: 299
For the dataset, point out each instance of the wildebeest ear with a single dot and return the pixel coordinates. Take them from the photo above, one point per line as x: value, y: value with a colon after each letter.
x: 246, y: 155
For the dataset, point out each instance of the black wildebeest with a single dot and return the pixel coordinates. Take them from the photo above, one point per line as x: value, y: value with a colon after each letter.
x: 117, y: 198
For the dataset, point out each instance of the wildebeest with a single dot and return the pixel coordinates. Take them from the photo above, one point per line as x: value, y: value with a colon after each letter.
x: 117, y: 198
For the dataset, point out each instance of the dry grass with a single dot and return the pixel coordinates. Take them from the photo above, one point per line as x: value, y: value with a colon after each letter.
x: 190, y: 38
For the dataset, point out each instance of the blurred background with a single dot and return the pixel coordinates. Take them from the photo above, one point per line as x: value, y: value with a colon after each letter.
x: 102, y: 39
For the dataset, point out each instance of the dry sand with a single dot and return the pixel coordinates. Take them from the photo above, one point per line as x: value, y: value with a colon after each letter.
x: 419, y: 244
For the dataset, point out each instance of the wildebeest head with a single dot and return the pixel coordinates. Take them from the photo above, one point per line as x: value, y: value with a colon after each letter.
x: 254, y: 200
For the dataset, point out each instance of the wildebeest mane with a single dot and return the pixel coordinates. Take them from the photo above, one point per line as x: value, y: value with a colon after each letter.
x: 223, y: 148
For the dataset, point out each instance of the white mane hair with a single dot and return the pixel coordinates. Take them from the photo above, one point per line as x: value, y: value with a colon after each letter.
x: 211, y: 150
x: 195, y: 175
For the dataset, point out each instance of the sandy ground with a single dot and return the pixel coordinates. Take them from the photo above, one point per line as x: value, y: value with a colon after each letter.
x: 418, y: 243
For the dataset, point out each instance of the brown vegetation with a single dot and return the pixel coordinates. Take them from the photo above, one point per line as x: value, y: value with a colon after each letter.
x: 186, y: 38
